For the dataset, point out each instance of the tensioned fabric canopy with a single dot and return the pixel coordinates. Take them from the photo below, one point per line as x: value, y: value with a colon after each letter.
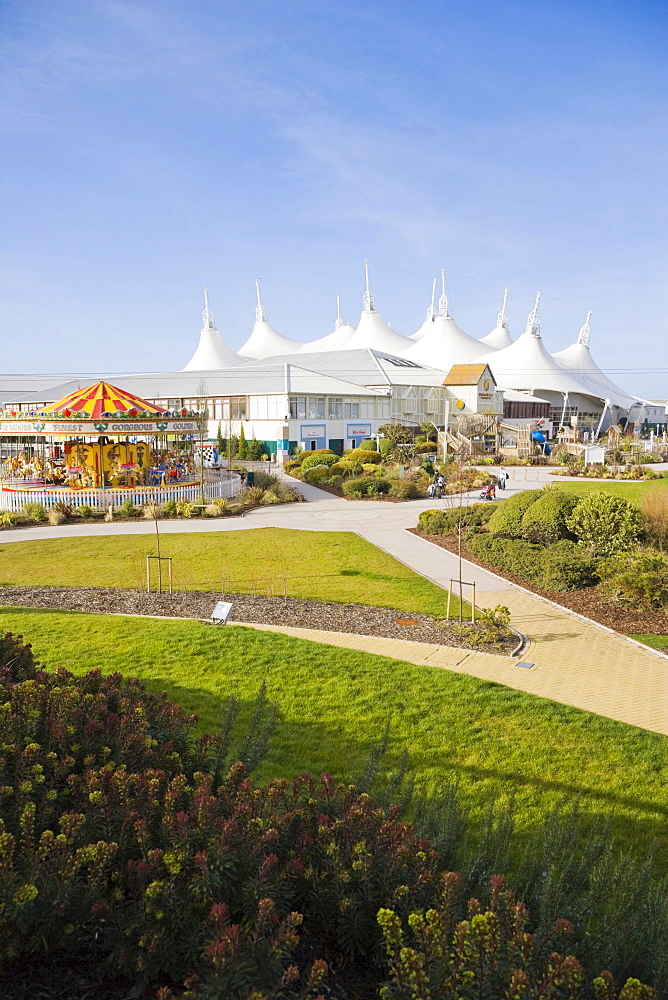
x: 101, y: 400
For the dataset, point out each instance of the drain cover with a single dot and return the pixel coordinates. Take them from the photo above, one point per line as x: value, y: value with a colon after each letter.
x: 525, y: 665
x: 407, y: 621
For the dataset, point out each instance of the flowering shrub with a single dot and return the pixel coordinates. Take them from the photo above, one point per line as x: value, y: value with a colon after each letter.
x: 490, y: 953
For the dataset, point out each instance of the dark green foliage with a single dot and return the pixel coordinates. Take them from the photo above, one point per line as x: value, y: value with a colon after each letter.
x: 378, y: 486
x: 35, y: 511
x: 446, y: 522
x: 606, y: 523
x: 545, y: 520
x: 17, y: 662
x: 255, y: 450
x: 368, y: 445
x: 566, y: 566
x: 511, y: 554
x: 243, y: 448
x: 507, y: 518
x: 639, y: 579
x: 128, y: 509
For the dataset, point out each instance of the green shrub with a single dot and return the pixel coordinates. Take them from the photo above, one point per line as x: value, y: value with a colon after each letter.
x: 545, y: 520
x: 507, y: 517
x: 404, y: 489
x: 265, y: 479
x: 340, y: 468
x: 255, y: 450
x: 8, y: 518
x: 605, y: 523
x: 356, y: 487
x: 567, y: 566
x: 128, y: 509
x: 317, y: 473
x: 511, y: 554
x: 446, y: 522
x: 361, y: 456
x: 86, y: 511
x: 35, y: 511
x: 292, y: 467
x: 184, y: 508
x: 639, y: 578
x: 429, y: 447
x: 303, y: 455
x: 378, y: 486
x: 367, y: 446
x: 318, y: 458
x: 169, y: 508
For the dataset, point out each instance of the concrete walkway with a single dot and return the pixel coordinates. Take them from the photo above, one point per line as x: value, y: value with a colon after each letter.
x: 573, y: 660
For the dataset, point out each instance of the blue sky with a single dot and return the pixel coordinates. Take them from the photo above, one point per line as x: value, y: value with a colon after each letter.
x: 151, y: 148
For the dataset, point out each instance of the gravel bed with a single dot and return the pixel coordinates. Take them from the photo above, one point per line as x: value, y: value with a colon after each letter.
x: 355, y: 618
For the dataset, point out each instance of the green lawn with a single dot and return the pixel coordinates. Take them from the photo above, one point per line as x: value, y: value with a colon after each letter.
x: 334, y: 704
x: 630, y: 490
x: 655, y: 641
x: 324, y: 565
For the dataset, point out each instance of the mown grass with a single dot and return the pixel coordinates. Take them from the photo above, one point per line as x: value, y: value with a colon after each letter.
x: 634, y: 491
x: 655, y: 641
x: 334, y: 703
x: 323, y: 565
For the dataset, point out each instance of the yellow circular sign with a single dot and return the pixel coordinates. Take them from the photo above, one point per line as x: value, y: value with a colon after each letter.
x: 460, y: 404
x: 485, y: 384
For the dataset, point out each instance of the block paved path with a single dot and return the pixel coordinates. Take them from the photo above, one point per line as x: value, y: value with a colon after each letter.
x: 575, y: 661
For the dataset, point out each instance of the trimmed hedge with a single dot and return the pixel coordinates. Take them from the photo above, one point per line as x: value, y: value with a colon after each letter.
x: 545, y: 520
x: 404, y: 489
x: 606, y: 523
x: 445, y: 522
x: 319, y: 458
x: 507, y: 519
x: 566, y: 566
x: 511, y: 554
x: 366, y: 486
x: 361, y: 456
x: 302, y: 455
x: 562, y: 566
x: 317, y: 473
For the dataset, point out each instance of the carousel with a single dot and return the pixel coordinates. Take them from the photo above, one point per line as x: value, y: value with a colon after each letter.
x: 101, y: 446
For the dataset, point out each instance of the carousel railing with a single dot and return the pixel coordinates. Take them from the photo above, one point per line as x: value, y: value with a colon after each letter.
x: 13, y: 497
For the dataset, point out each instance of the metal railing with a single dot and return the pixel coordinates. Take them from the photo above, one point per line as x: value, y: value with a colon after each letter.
x: 225, y: 484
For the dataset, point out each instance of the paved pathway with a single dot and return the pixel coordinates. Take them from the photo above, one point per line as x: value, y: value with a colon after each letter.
x: 574, y: 661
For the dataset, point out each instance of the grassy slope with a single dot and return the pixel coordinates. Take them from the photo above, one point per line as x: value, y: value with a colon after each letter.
x: 334, y: 704
x: 629, y: 490
x: 324, y: 565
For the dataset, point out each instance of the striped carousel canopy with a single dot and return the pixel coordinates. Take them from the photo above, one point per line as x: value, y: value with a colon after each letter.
x: 101, y: 400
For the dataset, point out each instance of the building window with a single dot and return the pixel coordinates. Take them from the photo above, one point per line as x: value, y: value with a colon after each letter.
x: 335, y: 408
x: 297, y: 407
x: 352, y: 409
x: 316, y: 407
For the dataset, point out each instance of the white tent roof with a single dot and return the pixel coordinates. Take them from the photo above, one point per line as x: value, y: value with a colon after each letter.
x: 444, y: 344
x: 527, y: 364
x: 500, y: 335
x: 333, y: 341
x: 212, y: 352
x: 372, y: 331
x: 264, y: 341
x: 578, y: 360
x: 431, y: 315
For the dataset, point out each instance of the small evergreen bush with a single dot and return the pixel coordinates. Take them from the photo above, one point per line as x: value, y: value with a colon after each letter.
x: 605, y: 523
x: 638, y: 578
x: 507, y: 518
x: 316, y: 473
x: 127, y: 509
x: 303, y: 455
x: 544, y: 521
x: 404, y: 489
x: 567, y: 566
x: 361, y: 456
x: 169, y: 508
x: 378, y: 486
x: 511, y: 554
x: 318, y: 458
x: 35, y: 511
x: 356, y: 487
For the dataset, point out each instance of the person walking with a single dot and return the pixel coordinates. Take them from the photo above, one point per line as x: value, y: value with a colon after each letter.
x: 502, y: 478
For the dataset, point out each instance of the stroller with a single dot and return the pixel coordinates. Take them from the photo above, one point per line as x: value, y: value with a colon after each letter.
x: 489, y: 492
x: 435, y: 490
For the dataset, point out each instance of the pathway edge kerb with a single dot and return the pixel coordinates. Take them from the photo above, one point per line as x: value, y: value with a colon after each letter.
x: 562, y: 607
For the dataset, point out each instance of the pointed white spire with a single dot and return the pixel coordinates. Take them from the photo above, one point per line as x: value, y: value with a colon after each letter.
x: 369, y: 305
x: 207, y: 316
x: 502, y: 318
x: 259, y: 311
x: 443, y: 304
x: 339, y: 321
x: 533, y: 321
x: 583, y: 336
x: 431, y: 311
